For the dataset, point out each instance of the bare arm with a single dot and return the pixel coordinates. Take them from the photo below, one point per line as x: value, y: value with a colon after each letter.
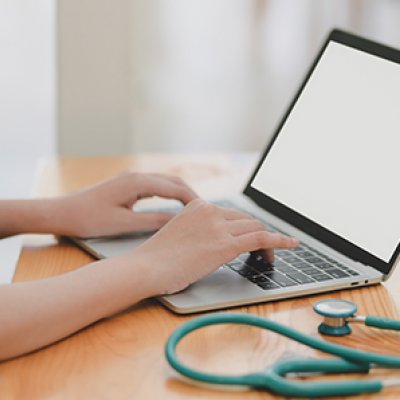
x: 188, y: 247
x: 103, y: 209
x: 37, y: 313
x: 34, y: 314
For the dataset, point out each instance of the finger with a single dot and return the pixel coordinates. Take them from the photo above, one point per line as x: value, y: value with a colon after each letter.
x: 241, y: 226
x: 172, y: 178
x: 264, y: 240
x: 157, y: 186
x: 148, y: 221
x: 267, y: 254
x: 177, y: 180
x: 232, y: 214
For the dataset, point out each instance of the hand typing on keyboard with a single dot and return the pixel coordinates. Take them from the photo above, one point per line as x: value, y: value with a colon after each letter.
x: 200, y: 239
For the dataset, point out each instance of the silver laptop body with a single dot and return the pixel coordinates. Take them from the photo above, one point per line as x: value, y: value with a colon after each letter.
x: 328, y: 177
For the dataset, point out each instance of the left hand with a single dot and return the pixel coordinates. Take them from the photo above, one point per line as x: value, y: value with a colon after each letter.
x: 106, y: 208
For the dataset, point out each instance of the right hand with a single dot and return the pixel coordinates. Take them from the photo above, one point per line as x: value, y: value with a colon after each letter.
x: 200, y: 239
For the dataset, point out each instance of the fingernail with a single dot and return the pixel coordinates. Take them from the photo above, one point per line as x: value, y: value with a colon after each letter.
x: 295, y: 241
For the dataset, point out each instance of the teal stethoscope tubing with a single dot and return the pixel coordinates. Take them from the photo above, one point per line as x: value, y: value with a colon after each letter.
x: 273, y: 378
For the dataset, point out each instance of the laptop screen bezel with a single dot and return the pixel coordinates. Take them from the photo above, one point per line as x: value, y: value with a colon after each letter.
x: 291, y: 216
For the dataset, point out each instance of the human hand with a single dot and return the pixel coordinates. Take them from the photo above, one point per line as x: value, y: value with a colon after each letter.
x: 200, y: 239
x: 106, y: 208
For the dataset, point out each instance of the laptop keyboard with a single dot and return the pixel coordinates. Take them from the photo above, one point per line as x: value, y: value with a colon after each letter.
x: 292, y: 267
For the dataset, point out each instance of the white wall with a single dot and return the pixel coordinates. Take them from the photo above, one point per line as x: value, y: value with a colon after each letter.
x: 93, y: 76
x: 198, y: 75
x: 193, y: 74
x: 27, y: 85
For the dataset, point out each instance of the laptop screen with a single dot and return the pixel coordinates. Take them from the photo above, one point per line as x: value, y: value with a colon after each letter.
x: 336, y: 158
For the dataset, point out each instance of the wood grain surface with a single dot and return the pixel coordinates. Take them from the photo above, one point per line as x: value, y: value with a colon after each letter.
x: 122, y: 357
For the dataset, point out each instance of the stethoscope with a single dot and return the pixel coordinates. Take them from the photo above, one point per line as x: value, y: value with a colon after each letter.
x: 339, y: 313
x: 337, y: 316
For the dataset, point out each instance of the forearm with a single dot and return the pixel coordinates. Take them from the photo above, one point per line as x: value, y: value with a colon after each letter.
x: 37, y: 313
x: 34, y: 216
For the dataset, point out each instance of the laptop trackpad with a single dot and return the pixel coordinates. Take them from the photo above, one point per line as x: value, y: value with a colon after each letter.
x: 107, y: 247
x: 222, y: 286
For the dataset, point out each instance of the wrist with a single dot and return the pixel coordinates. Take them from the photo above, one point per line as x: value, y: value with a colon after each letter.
x: 59, y: 216
x: 159, y: 275
x: 144, y: 271
x: 43, y: 216
x: 48, y: 216
x: 115, y: 284
x: 33, y: 216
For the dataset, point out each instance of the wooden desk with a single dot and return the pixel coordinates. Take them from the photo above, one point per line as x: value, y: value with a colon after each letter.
x: 122, y: 357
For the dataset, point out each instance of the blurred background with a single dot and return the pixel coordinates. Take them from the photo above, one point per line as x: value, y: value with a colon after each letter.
x: 106, y: 77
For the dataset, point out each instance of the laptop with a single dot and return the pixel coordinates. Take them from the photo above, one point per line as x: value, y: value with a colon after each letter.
x: 329, y: 176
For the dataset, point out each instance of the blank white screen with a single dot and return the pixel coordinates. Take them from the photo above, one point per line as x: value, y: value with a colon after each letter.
x: 336, y: 159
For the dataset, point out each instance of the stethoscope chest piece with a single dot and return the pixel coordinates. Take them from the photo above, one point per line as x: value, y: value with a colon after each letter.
x: 336, y: 314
